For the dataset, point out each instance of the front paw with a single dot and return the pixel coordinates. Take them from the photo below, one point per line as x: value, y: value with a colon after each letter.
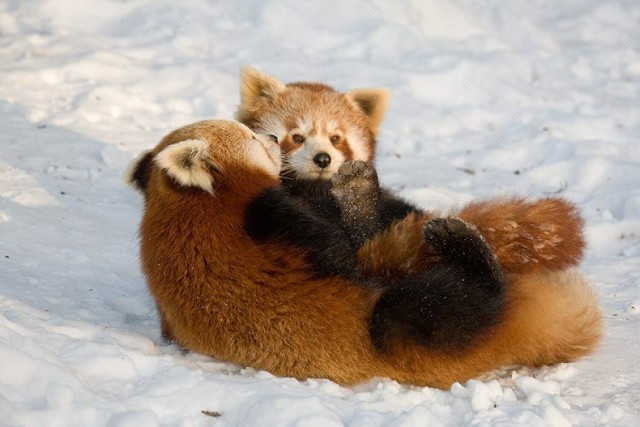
x: 355, y: 180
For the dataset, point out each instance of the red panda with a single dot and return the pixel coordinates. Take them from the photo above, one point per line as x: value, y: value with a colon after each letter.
x: 241, y: 271
x: 321, y: 128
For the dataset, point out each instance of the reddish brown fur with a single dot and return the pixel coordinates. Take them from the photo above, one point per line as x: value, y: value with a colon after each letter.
x: 221, y: 294
x: 398, y: 251
x: 314, y: 87
x: 530, y: 236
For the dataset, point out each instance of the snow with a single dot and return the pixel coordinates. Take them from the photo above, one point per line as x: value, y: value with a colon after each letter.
x: 490, y: 98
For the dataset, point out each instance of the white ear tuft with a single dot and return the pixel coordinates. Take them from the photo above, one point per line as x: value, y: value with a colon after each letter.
x: 189, y: 163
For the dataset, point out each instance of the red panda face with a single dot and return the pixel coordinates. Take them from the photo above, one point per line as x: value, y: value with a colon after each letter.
x: 203, y: 154
x: 314, y: 144
x: 319, y: 128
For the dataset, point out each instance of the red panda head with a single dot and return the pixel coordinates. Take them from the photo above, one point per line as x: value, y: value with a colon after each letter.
x: 207, y: 155
x: 319, y: 128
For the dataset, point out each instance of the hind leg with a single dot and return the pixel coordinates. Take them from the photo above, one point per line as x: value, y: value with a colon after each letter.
x: 450, y: 305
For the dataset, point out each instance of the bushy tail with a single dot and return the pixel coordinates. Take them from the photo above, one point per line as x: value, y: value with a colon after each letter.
x: 551, y: 318
x: 530, y: 236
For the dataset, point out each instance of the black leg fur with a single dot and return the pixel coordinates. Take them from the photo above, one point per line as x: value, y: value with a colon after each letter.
x: 394, y: 208
x: 317, y: 196
x: 274, y: 215
x: 450, y: 305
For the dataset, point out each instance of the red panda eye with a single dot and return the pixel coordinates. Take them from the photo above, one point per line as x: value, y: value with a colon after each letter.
x: 335, y: 139
x: 298, y: 139
x: 273, y: 138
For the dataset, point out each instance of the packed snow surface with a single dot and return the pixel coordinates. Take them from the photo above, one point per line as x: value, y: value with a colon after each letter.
x: 490, y: 98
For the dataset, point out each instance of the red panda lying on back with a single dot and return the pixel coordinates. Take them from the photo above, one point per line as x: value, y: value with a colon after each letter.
x: 241, y: 271
x: 321, y: 129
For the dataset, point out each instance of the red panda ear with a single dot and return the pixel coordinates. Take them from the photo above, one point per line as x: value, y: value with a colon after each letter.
x: 188, y: 163
x: 254, y: 86
x: 372, y: 102
x: 138, y: 172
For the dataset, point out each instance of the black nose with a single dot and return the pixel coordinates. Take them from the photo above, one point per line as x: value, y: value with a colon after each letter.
x: 322, y: 159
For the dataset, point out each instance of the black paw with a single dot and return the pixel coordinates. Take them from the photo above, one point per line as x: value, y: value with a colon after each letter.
x: 355, y: 179
x: 355, y: 190
x: 460, y: 243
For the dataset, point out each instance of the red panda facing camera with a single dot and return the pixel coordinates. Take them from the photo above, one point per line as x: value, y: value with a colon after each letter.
x: 319, y: 128
x: 240, y: 271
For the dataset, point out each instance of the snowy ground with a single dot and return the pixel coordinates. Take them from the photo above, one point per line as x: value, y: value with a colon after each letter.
x: 490, y: 98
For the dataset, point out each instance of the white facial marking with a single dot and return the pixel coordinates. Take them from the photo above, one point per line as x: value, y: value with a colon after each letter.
x: 301, y: 160
x: 304, y: 126
x: 332, y: 126
x: 358, y: 145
